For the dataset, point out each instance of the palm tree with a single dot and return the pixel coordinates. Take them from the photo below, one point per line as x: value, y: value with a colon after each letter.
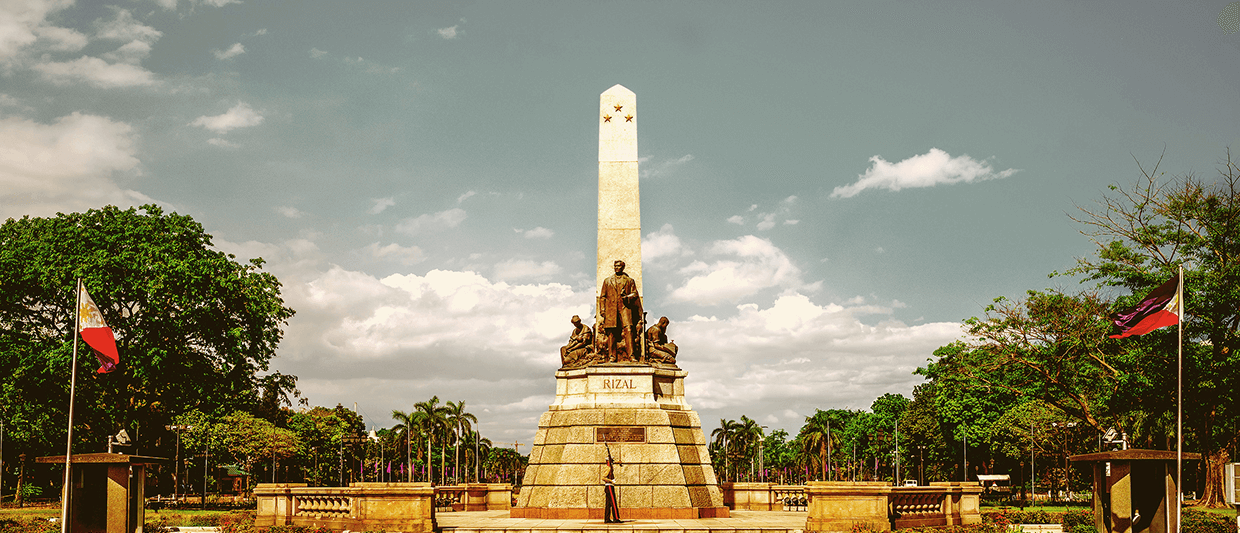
x: 749, y: 433
x: 723, y: 435
x: 457, y: 417
x: 817, y: 433
x: 430, y: 420
x: 407, y: 423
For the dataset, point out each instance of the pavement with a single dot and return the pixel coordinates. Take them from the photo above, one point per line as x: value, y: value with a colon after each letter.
x: 738, y: 522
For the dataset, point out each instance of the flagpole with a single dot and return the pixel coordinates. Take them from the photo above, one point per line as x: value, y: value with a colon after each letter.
x: 64, y: 500
x: 1179, y: 406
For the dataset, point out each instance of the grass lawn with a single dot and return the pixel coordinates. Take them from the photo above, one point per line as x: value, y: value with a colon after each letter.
x: 173, y: 517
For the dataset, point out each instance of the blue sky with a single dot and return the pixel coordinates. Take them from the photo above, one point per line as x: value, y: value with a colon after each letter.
x: 828, y: 188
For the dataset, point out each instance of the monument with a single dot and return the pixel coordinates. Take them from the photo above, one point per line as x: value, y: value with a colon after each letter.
x: 620, y: 415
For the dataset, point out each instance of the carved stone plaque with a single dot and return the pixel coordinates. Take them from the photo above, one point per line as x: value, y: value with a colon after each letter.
x: 620, y: 434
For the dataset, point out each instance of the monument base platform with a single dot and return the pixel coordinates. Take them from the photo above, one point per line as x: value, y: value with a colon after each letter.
x: 738, y: 522
x: 637, y: 416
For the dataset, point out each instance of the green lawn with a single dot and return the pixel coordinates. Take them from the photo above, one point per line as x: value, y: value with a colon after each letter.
x: 173, y: 517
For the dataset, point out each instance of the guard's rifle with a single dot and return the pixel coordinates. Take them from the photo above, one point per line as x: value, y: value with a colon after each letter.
x: 641, y: 331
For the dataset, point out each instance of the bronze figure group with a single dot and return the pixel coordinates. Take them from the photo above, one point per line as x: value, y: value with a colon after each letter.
x: 616, y: 337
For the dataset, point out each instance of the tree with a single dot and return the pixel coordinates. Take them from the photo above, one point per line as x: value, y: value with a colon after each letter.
x: 456, y: 417
x: 431, y: 420
x: 406, y: 426
x: 1144, y: 233
x: 725, y: 437
x: 194, y: 327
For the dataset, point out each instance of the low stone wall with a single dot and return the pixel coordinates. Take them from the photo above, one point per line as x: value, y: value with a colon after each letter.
x: 405, y: 507
x: 763, y: 497
x: 841, y: 506
x: 473, y: 497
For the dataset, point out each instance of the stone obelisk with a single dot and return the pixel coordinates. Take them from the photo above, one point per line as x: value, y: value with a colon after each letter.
x: 632, y: 412
x: 619, y: 204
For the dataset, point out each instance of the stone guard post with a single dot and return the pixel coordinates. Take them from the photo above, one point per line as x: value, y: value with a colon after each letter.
x: 108, y: 491
x: 406, y: 507
x: 1134, y: 490
x: 839, y: 506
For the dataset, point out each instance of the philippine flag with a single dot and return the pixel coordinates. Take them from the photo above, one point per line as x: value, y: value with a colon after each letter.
x: 96, y: 332
x: 1161, y: 308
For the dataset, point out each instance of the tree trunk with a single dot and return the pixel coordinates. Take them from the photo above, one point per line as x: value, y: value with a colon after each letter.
x: 1212, y: 495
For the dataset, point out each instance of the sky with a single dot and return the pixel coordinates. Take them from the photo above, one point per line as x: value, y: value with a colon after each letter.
x: 827, y: 188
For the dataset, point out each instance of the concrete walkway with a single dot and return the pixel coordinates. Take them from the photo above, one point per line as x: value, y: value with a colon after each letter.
x: 740, y: 521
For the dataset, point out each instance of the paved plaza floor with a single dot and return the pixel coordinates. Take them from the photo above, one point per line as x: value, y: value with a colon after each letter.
x: 738, y: 522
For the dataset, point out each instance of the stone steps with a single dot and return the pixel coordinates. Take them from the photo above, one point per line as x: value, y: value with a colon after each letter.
x: 738, y: 522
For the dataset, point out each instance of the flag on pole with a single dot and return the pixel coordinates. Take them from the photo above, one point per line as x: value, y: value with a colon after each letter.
x: 1160, y: 308
x: 96, y: 333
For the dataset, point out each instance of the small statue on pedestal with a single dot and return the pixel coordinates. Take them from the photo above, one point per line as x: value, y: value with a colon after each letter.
x: 580, y: 345
x: 658, y: 349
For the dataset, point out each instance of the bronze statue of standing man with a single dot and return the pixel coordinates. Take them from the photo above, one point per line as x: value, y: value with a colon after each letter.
x: 620, y: 310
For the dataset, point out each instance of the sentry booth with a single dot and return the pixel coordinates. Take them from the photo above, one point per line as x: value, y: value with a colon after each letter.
x: 1134, y: 490
x: 108, y: 491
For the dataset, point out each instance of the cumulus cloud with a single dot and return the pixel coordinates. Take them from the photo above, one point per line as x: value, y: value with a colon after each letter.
x: 450, y: 218
x: 926, y: 170
x: 21, y: 22
x: 222, y: 143
x: 67, y: 165
x: 658, y: 246
x: 239, y: 116
x: 766, y: 221
x: 666, y: 167
x: 737, y: 268
x: 737, y: 219
x: 59, y: 39
x: 405, y: 255
x: 381, y: 204
x: 449, y: 32
x: 124, y: 27
x: 233, y: 51
x: 465, y: 196
x: 96, y: 72
x: 812, y: 355
x: 315, y: 53
x: 290, y: 211
x: 537, y: 233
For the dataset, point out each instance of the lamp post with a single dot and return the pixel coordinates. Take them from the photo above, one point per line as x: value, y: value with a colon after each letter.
x: 176, y: 468
x: 921, y: 472
x: 761, y: 456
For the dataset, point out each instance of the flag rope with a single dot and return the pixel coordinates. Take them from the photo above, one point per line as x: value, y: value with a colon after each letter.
x: 66, y: 492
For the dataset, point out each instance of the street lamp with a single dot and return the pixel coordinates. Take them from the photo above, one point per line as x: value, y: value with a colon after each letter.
x: 921, y: 472
x: 761, y: 456
x: 176, y: 474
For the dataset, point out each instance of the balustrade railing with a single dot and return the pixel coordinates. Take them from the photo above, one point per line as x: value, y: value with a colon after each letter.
x: 321, y: 506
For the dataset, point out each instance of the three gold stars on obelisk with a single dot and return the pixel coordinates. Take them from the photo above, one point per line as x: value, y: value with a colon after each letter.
x: 627, y: 118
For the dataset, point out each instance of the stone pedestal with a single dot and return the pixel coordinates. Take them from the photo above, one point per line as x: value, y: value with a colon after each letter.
x: 107, y: 491
x: 638, y: 414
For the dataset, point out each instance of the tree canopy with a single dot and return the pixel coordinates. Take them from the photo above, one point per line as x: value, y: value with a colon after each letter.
x: 195, y: 328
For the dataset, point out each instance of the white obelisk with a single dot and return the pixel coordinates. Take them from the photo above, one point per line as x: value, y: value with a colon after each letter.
x: 619, y: 205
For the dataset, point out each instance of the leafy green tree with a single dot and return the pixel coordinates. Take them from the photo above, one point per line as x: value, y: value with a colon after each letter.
x: 433, y: 422
x: 321, y: 431
x: 725, y: 443
x: 194, y: 327
x: 1144, y: 233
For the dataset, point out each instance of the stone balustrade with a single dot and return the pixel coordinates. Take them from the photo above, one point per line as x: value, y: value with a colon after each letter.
x: 405, y: 507
x: 764, y: 497
x: 841, y: 505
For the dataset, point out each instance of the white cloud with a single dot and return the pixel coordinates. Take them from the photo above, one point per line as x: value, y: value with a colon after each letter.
x: 740, y: 267
x: 290, y: 211
x: 524, y: 269
x: 233, y: 51
x: 124, y: 27
x: 406, y: 255
x: 767, y: 222
x: 537, y: 233
x: 315, y: 53
x: 67, y: 165
x: 240, y: 116
x: 61, y: 39
x: 465, y: 196
x: 927, y: 170
x: 381, y: 204
x: 20, y: 23
x: 261, y: 31
x: 797, y: 354
x: 666, y: 167
x: 659, y: 246
x: 222, y: 143
x: 449, y: 32
x: 737, y: 219
x: 219, y: 3
x: 96, y: 72
x: 450, y: 218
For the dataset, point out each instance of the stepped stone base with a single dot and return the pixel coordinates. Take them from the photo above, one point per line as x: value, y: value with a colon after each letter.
x: 638, y: 414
